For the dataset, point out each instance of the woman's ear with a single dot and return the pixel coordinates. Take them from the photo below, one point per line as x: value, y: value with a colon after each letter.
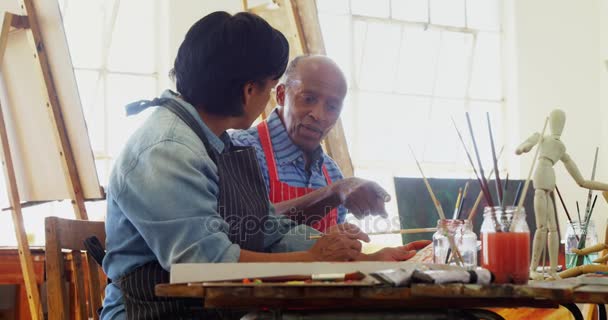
x: 248, y: 90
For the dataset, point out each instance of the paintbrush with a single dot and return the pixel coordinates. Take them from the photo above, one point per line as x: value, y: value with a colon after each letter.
x: 586, y: 224
x: 498, y: 184
x: 473, y: 211
x: 439, y: 209
x: 527, y: 184
x: 559, y: 194
x: 458, y: 198
x: 517, y: 193
x: 578, y: 212
x: 590, y: 192
x: 466, y: 150
x: 464, y: 197
x: 504, y: 195
x: 484, y: 181
x: 402, y: 231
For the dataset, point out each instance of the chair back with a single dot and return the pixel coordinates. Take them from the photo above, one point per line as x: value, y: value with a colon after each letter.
x: 75, y: 282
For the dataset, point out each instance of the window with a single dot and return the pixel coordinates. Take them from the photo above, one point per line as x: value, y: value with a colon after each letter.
x: 111, y: 72
x: 411, y: 65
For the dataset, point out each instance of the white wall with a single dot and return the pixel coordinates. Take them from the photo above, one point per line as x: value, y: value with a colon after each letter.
x: 553, y: 47
x: 179, y: 16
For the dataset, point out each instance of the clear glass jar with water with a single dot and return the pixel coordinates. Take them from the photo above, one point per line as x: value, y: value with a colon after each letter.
x: 464, y: 238
x: 573, y: 234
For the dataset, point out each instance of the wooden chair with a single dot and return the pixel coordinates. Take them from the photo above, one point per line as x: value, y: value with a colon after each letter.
x: 64, y: 248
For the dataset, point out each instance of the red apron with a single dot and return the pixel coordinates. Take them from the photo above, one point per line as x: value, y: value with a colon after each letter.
x: 280, y: 191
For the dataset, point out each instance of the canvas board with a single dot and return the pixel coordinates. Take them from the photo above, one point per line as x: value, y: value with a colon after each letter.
x: 207, y: 272
x: 32, y: 139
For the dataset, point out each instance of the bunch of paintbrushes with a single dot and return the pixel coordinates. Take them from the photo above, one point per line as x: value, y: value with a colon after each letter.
x: 582, y: 222
x: 480, y: 175
x: 439, y: 209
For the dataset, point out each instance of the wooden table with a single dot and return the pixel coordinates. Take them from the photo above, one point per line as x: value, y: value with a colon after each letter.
x: 10, y: 274
x: 283, y: 298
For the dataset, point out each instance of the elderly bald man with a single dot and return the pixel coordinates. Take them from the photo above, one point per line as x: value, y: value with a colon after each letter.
x: 303, y: 182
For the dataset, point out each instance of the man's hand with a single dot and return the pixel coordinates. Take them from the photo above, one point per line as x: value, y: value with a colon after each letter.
x: 401, y: 253
x: 362, y: 197
x: 349, y: 229
x: 340, y: 243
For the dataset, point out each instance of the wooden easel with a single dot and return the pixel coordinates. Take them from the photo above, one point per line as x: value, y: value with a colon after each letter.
x: 30, y: 24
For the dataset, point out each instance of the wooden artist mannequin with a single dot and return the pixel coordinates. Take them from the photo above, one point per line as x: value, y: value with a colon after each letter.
x: 551, y: 150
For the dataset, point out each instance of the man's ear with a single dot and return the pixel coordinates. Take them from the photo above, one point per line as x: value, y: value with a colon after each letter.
x: 281, y: 91
x: 248, y: 90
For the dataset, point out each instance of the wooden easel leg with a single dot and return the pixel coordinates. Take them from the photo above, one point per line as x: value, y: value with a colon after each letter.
x: 25, y: 257
x: 27, y: 266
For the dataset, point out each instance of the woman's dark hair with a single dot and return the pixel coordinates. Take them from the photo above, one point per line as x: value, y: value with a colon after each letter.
x: 223, y: 52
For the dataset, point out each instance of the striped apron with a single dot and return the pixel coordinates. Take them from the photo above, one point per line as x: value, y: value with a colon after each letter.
x: 280, y: 191
x: 243, y: 203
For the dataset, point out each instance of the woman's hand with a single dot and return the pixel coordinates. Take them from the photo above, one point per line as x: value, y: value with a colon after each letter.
x: 400, y: 253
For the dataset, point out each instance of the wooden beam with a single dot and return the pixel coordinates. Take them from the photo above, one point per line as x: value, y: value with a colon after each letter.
x: 20, y: 22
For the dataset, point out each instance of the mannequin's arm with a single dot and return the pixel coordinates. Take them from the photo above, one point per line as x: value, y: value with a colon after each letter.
x: 578, y: 177
x: 528, y: 144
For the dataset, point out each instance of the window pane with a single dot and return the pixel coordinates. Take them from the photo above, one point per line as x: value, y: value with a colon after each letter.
x: 447, y: 12
x: 83, y: 22
x: 487, y: 69
x: 410, y: 10
x: 484, y: 14
x: 386, y: 124
x: 380, y: 56
x: 442, y: 144
x: 418, y: 61
x: 337, y: 46
x: 376, y: 8
x: 133, y: 46
x: 333, y: 6
x: 359, y: 37
x: 90, y: 89
x: 453, y: 66
x: 122, y: 127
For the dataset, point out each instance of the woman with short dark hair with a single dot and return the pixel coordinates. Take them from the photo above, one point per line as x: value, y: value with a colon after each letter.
x: 180, y: 192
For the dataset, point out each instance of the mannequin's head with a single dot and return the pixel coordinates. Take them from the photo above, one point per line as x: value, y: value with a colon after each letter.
x: 557, y: 121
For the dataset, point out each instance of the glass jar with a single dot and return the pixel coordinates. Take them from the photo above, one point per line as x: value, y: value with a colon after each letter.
x: 464, y: 238
x: 505, y: 243
x: 573, y: 234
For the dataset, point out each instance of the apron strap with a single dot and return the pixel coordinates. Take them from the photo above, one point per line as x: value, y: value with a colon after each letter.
x: 180, y: 111
x: 264, y: 135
